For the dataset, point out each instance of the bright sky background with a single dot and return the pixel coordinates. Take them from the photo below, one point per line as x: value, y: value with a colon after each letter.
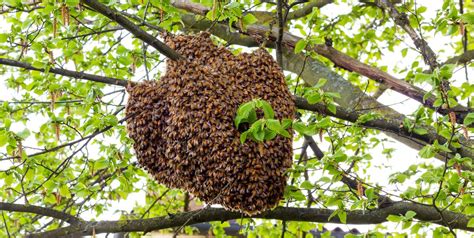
x: 403, y: 156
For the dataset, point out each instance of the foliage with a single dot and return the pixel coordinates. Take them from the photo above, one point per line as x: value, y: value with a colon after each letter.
x: 63, y: 144
x: 262, y: 129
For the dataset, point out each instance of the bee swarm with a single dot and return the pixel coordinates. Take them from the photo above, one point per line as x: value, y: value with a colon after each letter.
x: 184, y: 132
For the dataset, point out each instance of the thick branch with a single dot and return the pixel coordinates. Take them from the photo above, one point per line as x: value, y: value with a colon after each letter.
x: 341, y: 60
x: 190, y: 7
x: 43, y: 211
x: 401, y: 20
x: 354, y: 98
x: 65, y: 72
x: 308, y: 8
x: 392, y: 125
x: 202, y: 10
x: 132, y: 28
x: 311, y: 70
x: 464, y: 58
x: 423, y: 213
x: 388, y: 125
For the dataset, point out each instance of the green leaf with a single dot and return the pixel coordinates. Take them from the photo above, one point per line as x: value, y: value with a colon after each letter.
x: 64, y: 191
x: 258, y: 125
x: 421, y: 9
x: 422, y: 78
x: 284, y: 133
x: 23, y: 134
x: 446, y: 71
x: 211, y: 16
x: 325, y: 122
x: 258, y: 134
x: 321, y: 82
x: 252, y: 117
x: 332, y: 95
x: 471, y: 222
x: 439, y: 147
x: 300, y: 127
x: 426, y: 96
x: 243, y: 137
x: 121, y: 50
x: 427, y: 152
x: 339, y: 156
x: 415, y: 228
x: 72, y: 3
x: 300, y: 46
x: 295, y: 193
x: 404, y: 52
x: 245, y: 109
x: 249, y: 19
x: 3, y: 138
x: 394, y: 218
x: 401, y: 178
x: 237, y: 120
x: 314, y: 98
x: 438, y: 102
x: 7, y: 122
x: 332, y: 108
x: 469, y: 119
x: 110, y: 120
x: 298, y: 195
x: 342, y: 216
x: 468, y: 18
x: 246, y: 113
x: 406, y: 224
x: 274, y: 125
x: 286, y: 123
x: 420, y: 131
x: 102, y: 163
x: 270, y: 135
x: 267, y: 109
x: 410, y: 214
x: 3, y: 38
x: 307, y: 185
x: 369, y: 193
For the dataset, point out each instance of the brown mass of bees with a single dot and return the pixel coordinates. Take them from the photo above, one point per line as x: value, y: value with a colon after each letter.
x: 184, y: 132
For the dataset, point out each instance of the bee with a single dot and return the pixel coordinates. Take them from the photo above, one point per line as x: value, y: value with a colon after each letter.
x: 185, y: 136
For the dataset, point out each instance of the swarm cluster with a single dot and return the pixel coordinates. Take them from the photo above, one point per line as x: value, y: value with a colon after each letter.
x: 183, y: 125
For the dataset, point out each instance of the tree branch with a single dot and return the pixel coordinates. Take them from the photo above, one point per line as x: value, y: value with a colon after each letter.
x: 355, y: 99
x: 133, y: 28
x: 308, y: 8
x: 43, y: 211
x: 65, y: 72
x: 342, y: 60
x: 423, y: 213
x: 281, y: 22
x: 463, y: 58
x: 401, y: 20
x: 392, y: 125
x: 383, y: 201
x: 89, y: 137
x: 190, y: 7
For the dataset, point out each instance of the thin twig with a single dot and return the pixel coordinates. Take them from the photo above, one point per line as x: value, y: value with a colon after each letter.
x: 5, y: 224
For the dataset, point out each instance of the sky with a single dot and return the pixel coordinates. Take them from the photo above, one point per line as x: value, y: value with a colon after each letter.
x: 403, y: 156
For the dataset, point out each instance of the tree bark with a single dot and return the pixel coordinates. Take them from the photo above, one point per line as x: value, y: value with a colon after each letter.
x: 377, y: 216
x: 340, y: 60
